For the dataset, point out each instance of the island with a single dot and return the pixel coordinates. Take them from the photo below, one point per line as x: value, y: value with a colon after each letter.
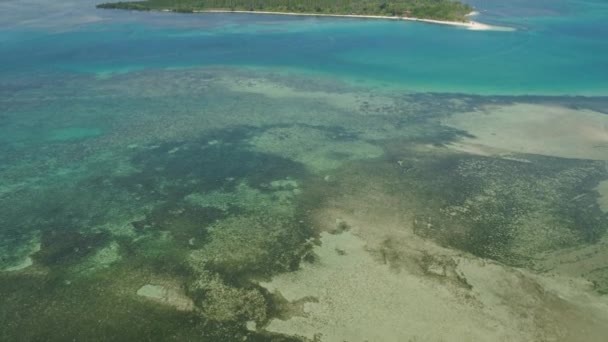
x: 439, y: 11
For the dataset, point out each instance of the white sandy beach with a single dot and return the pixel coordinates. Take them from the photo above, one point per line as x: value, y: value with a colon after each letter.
x: 470, y: 25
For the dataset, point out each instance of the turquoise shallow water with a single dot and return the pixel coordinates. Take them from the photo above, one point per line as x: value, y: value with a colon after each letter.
x: 558, y: 48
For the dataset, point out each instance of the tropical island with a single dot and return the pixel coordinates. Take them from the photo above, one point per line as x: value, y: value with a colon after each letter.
x: 442, y: 11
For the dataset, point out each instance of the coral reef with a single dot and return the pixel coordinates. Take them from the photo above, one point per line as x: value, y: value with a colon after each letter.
x: 173, y: 194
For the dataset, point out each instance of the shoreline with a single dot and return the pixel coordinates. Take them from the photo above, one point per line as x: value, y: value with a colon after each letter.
x: 469, y: 25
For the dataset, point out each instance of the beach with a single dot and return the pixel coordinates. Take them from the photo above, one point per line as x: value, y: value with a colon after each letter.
x: 470, y: 25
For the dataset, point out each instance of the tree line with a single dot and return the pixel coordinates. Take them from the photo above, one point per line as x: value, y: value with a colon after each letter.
x: 431, y: 9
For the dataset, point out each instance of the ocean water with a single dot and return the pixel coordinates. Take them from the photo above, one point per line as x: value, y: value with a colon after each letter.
x: 557, y: 48
x: 230, y: 177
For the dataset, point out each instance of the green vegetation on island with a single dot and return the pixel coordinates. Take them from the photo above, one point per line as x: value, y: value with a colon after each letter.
x: 428, y: 9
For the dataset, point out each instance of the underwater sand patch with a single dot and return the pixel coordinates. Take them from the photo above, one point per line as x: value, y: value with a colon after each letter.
x: 361, y: 299
x: 166, y: 295
x: 581, y: 261
x: 485, y: 151
x: 318, y: 149
x: 350, y: 101
x: 26, y: 261
x: 374, y: 279
x: 537, y: 129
